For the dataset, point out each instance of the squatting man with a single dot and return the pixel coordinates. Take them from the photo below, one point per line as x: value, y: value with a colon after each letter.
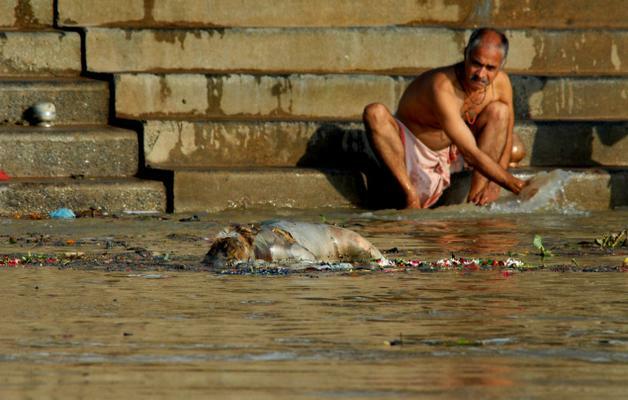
x: 465, y: 109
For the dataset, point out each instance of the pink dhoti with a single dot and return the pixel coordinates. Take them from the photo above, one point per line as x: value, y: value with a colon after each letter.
x: 429, y: 170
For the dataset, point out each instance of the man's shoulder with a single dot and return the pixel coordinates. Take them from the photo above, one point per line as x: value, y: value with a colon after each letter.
x: 503, y: 86
x: 502, y: 78
x: 441, y: 79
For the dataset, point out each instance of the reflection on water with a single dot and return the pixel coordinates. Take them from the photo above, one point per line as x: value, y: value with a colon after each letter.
x: 71, y: 334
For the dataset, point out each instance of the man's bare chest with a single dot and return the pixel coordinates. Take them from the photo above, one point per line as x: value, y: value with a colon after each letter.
x: 474, y: 104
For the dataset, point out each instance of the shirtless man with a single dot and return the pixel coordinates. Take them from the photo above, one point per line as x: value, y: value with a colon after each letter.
x: 466, y: 108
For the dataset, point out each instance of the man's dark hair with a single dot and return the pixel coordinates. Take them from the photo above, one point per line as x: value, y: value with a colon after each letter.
x: 476, y: 38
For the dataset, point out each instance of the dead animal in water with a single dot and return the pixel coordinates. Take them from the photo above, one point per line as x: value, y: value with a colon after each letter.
x: 288, y: 242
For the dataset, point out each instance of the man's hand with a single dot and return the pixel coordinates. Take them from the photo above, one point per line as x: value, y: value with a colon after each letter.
x: 526, y: 192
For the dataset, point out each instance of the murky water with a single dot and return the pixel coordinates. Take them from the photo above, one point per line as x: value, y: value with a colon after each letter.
x: 74, y: 334
x: 162, y: 333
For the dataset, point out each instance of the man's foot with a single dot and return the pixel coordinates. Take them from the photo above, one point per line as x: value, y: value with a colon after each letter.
x: 489, y: 194
x: 413, y: 202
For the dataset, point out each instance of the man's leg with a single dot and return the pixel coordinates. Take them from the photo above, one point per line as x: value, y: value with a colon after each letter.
x: 384, y: 134
x: 491, y: 136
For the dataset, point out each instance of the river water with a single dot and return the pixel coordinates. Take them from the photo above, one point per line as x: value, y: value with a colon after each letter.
x: 157, y: 332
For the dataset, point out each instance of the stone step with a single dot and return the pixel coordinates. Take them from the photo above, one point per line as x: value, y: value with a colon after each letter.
x: 343, y: 97
x: 77, y: 100
x: 68, y: 151
x: 39, y: 52
x: 570, y: 14
x: 215, y: 190
x: 20, y: 14
x: 175, y: 144
x: 388, y: 50
x: 113, y: 195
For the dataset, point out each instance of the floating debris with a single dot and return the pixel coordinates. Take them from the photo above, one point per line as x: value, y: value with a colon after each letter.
x: 613, y: 240
x: 538, y: 244
x: 62, y: 213
x: 384, y: 265
x: 26, y: 260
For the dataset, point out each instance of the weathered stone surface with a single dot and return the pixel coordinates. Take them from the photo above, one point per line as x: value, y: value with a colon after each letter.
x: 85, y: 13
x: 331, y: 13
x: 77, y: 101
x: 175, y: 144
x: 342, y: 97
x: 26, y: 13
x: 185, y: 96
x: 277, y: 50
x: 147, y: 95
x: 114, y: 195
x: 572, y: 98
x: 68, y: 151
x: 217, y: 190
x: 574, y: 144
x: 39, y: 53
x: 381, y: 50
x: 171, y: 144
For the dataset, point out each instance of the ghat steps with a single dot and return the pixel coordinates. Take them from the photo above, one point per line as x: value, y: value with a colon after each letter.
x: 258, y: 103
x: 80, y: 162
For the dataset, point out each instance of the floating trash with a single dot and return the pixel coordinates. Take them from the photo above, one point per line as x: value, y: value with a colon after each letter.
x: 62, y: 213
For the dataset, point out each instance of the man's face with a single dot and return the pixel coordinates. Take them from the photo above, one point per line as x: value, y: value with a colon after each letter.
x: 482, y: 65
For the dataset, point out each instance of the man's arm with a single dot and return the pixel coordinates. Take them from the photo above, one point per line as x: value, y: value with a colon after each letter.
x: 491, y: 189
x: 446, y: 108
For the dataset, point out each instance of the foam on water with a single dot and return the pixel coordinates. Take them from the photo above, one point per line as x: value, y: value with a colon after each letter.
x: 545, y: 192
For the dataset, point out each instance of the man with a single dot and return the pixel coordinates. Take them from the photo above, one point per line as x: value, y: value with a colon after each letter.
x: 465, y: 108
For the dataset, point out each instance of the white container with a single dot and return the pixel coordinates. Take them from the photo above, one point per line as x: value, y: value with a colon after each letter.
x: 44, y: 113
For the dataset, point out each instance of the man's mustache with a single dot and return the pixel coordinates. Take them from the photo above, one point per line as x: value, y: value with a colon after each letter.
x: 476, y: 78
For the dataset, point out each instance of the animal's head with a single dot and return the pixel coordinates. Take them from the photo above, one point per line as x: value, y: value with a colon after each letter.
x: 230, y: 247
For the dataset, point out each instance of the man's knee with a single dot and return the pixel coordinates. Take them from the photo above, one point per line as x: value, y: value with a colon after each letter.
x: 376, y: 114
x: 498, y: 111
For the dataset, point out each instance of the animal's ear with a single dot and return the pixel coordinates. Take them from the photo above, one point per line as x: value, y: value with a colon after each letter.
x: 247, y: 232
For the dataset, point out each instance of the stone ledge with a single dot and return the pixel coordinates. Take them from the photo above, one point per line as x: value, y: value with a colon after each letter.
x: 570, y: 14
x: 220, y: 189
x: 20, y: 14
x: 351, y: 50
x: 113, y: 195
x: 342, y: 97
x: 77, y: 101
x: 175, y: 144
x: 68, y: 151
x: 215, y: 190
x: 39, y: 52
